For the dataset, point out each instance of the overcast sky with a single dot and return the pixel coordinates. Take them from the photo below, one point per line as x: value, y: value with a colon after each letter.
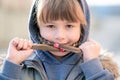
x: 103, y: 2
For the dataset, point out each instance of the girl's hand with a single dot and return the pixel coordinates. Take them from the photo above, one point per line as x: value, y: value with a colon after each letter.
x: 19, y: 50
x: 91, y: 49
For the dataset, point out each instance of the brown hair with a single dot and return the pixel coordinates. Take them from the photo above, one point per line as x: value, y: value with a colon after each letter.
x: 50, y: 10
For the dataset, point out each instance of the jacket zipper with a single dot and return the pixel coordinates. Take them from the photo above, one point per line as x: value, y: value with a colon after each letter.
x: 37, y: 66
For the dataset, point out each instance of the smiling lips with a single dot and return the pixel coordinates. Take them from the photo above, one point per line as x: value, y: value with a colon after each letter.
x: 56, y: 45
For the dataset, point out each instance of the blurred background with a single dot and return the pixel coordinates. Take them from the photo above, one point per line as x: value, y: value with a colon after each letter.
x: 105, y: 23
x: 13, y: 22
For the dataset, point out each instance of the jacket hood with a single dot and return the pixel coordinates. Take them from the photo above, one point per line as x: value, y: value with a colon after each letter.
x: 33, y: 27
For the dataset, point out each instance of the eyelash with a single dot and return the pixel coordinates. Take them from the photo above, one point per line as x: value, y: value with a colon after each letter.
x: 50, y: 26
x: 69, y: 26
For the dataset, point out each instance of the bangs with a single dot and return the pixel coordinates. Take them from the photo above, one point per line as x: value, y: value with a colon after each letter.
x: 51, y: 10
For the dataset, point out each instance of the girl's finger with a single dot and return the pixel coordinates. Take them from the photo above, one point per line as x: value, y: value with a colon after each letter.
x: 26, y: 44
x: 20, y: 44
x: 30, y: 44
x: 15, y: 41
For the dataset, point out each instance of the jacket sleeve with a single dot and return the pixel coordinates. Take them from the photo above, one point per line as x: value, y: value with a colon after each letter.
x: 10, y: 71
x: 93, y: 70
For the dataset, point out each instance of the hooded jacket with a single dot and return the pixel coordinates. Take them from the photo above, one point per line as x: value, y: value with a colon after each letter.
x: 43, y: 66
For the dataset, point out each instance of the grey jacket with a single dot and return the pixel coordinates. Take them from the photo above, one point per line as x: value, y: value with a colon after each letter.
x: 32, y: 69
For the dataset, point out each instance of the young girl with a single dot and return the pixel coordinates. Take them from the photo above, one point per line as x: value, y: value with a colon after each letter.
x: 64, y: 22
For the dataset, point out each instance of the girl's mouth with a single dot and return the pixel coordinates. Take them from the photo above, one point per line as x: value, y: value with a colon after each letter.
x: 56, y: 45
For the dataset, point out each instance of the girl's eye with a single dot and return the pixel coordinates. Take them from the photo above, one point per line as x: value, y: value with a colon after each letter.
x: 51, y: 26
x: 69, y: 26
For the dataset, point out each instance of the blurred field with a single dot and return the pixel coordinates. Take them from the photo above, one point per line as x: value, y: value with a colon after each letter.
x: 13, y: 22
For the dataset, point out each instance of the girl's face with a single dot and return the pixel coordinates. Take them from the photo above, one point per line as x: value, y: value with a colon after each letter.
x: 62, y: 32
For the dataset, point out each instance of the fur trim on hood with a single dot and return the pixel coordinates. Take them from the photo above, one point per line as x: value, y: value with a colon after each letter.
x: 109, y: 64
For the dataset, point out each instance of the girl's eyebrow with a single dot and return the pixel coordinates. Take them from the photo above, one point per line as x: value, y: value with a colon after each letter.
x: 48, y: 23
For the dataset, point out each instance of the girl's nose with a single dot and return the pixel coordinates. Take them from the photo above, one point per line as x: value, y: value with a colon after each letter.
x: 60, y: 35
